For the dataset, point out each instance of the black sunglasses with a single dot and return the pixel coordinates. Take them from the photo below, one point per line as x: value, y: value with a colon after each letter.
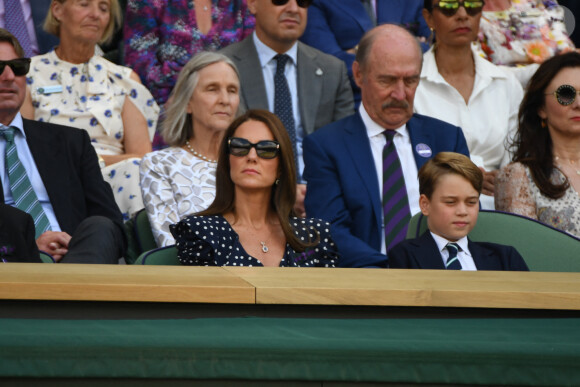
x: 565, y: 95
x: 19, y: 66
x: 266, y: 149
x: 301, y: 3
x: 450, y: 8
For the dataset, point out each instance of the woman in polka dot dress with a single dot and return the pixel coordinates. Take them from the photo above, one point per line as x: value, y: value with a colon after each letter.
x: 251, y: 221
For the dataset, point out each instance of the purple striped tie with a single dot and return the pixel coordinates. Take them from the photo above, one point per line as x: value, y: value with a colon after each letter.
x: 15, y: 23
x: 396, y: 212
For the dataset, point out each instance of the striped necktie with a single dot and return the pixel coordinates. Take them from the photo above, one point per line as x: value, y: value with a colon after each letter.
x: 22, y: 192
x: 453, y: 262
x: 396, y: 211
x: 283, y: 100
x: 14, y: 21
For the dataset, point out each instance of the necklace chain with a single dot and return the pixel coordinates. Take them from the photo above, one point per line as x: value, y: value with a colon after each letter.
x: 198, y: 154
x: 572, y: 164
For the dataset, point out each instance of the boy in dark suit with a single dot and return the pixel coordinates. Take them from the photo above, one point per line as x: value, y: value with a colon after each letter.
x: 450, y: 185
x: 17, y: 242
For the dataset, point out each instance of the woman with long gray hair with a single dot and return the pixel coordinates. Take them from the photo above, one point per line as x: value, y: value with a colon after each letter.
x: 180, y: 180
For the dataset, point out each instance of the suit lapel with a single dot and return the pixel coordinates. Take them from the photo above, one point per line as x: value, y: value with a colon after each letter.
x: 480, y: 256
x: 354, y: 9
x: 428, y: 255
x: 421, y: 141
x: 46, y: 151
x: 309, y: 75
x: 252, y: 78
x: 357, y: 143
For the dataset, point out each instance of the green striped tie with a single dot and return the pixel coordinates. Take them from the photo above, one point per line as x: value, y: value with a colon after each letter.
x: 22, y: 192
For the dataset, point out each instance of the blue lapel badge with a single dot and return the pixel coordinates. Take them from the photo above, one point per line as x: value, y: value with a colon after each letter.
x: 423, y: 150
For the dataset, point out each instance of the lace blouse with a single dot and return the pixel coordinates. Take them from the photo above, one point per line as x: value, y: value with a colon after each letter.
x: 516, y: 192
x: 211, y: 241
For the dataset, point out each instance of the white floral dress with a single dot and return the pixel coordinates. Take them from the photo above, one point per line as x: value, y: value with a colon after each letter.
x: 90, y: 96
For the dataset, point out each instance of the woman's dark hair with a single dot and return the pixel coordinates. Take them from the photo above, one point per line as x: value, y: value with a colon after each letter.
x: 283, y: 193
x: 532, y: 145
x: 428, y: 5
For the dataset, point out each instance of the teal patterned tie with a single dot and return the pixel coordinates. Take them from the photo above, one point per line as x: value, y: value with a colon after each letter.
x: 22, y: 191
x: 453, y: 262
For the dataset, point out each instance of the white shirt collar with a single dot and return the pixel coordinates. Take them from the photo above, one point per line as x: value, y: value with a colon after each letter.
x: 266, y: 54
x: 483, y: 68
x: 442, y: 242
x: 374, y: 129
x: 18, y: 123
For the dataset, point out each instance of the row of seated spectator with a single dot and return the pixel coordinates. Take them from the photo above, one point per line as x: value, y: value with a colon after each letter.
x: 327, y: 76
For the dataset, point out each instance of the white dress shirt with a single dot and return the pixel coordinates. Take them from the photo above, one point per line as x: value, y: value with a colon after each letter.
x: 464, y: 256
x: 27, y: 19
x: 402, y: 142
x: 29, y: 165
x: 266, y: 56
x: 488, y: 120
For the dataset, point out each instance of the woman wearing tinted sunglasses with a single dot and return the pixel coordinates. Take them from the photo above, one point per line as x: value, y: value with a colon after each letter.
x: 460, y: 87
x: 544, y: 181
x: 251, y: 221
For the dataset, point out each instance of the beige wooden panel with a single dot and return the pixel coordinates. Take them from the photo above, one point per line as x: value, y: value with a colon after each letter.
x: 30, y: 281
x: 527, y: 290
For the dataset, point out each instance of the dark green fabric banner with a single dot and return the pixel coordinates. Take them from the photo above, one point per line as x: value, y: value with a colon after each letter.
x: 532, y: 352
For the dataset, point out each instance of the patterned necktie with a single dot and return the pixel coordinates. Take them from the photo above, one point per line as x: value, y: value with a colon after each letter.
x: 14, y: 18
x: 396, y: 212
x: 282, y: 99
x: 452, y: 262
x: 22, y: 191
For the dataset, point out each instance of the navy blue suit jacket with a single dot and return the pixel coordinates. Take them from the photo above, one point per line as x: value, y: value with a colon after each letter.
x: 342, y: 181
x: 335, y: 26
x: 422, y: 253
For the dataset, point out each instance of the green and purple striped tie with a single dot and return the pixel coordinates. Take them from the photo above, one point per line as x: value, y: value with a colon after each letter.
x: 396, y: 211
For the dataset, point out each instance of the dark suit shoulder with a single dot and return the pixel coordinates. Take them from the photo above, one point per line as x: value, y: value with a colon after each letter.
x: 37, y: 126
x: 494, y: 256
x: 334, y: 129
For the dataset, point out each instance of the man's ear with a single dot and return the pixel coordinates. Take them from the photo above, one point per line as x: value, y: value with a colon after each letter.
x: 357, y: 73
x: 424, y: 204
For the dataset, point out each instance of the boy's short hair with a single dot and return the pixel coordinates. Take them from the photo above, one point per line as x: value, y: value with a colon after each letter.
x: 444, y: 163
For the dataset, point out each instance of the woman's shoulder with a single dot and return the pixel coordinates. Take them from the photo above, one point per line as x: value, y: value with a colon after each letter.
x: 171, y: 154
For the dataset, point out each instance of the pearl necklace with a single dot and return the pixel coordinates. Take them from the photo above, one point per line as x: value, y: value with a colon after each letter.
x: 199, y: 155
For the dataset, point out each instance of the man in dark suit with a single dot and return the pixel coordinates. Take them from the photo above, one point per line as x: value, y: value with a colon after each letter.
x: 83, y: 222
x: 344, y: 159
x: 318, y: 84
x: 336, y: 27
x: 450, y: 186
x: 17, y: 242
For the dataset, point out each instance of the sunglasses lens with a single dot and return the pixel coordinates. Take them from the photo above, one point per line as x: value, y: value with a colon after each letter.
x: 448, y: 8
x: 566, y: 94
x: 239, y: 147
x: 267, y: 149
x: 18, y: 66
x: 473, y: 7
x: 301, y: 3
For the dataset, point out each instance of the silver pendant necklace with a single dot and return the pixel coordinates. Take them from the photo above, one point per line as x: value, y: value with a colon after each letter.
x: 264, y: 247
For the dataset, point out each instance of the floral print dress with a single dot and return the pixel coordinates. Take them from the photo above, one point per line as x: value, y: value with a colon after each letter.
x: 516, y: 192
x: 531, y: 31
x: 90, y: 96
